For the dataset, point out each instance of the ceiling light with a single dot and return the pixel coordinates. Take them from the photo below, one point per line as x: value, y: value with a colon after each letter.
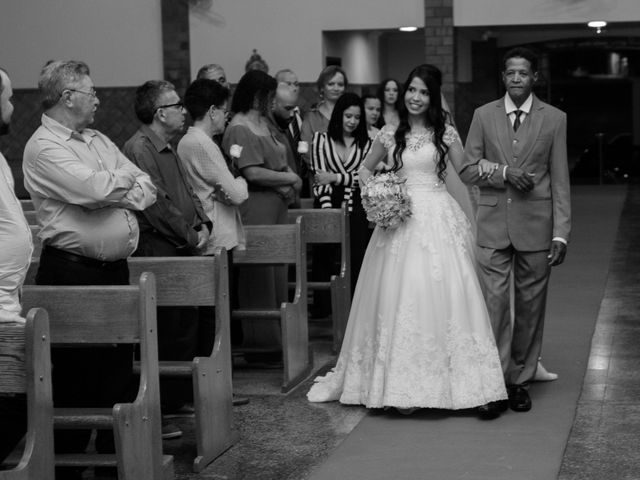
x: 597, y: 24
x: 408, y: 29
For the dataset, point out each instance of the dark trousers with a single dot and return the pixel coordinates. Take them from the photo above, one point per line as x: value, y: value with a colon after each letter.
x: 86, y: 376
x: 179, y: 328
x: 13, y: 423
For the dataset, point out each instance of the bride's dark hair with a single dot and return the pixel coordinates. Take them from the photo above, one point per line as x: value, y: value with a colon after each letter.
x: 435, y: 119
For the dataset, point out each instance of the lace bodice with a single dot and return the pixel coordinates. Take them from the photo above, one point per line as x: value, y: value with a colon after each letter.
x: 419, y: 159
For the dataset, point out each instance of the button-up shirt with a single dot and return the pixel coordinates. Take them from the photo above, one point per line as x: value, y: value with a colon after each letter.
x: 15, y: 246
x: 83, y: 189
x: 178, y: 214
x: 511, y: 108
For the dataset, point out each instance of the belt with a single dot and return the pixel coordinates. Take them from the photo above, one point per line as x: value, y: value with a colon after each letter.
x: 81, y: 259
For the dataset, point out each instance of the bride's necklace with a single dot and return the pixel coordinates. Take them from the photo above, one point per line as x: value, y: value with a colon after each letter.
x: 417, y: 138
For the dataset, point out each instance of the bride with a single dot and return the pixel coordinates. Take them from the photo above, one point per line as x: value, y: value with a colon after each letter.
x: 418, y: 334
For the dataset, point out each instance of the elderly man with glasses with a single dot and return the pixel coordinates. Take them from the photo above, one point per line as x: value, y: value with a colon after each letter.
x: 176, y: 225
x: 84, y: 191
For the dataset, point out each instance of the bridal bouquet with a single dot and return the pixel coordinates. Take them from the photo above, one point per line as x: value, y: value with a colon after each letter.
x: 385, y: 200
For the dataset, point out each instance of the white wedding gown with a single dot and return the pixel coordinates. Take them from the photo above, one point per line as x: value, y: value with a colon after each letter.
x: 419, y: 333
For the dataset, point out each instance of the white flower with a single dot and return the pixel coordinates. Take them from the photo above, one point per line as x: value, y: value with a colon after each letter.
x: 235, y: 151
x: 303, y: 147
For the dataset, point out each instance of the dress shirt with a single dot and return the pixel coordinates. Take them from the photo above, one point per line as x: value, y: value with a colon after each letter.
x: 16, y: 246
x: 511, y: 108
x: 177, y: 214
x: 209, y: 175
x: 83, y: 189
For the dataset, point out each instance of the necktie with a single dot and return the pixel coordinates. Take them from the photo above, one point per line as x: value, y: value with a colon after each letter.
x: 294, y: 130
x: 516, y: 122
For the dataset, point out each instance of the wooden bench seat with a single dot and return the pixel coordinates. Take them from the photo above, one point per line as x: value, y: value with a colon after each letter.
x: 203, y: 282
x: 282, y: 245
x: 95, y: 315
x: 25, y: 368
x: 331, y: 226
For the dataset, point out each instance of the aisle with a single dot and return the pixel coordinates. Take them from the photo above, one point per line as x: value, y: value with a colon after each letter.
x: 441, y: 445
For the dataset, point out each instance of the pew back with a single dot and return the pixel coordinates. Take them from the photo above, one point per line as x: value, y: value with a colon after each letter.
x: 25, y: 367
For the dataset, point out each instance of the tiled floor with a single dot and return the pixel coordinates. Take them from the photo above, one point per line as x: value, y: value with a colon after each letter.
x: 605, y: 440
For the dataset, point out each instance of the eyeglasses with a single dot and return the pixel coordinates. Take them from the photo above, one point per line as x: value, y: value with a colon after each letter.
x: 224, y: 111
x: 180, y: 105
x: 92, y: 93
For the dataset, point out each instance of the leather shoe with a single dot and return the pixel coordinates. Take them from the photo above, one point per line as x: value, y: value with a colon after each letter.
x: 519, y: 400
x: 492, y: 410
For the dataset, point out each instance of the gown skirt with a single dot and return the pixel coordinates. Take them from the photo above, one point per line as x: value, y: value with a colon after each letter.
x: 418, y: 334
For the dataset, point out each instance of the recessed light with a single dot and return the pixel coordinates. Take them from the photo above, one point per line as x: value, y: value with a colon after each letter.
x: 408, y: 29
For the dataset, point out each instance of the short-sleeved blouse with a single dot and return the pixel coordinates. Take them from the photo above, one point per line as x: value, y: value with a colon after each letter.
x: 257, y: 150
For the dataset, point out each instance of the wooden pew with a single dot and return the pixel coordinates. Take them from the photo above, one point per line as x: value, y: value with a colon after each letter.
x: 282, y: 245
x: 27, y: 204
x: 200, y: 281
x: 331, y: 225
x: 25, y: 367
x: 30, y: 215
x: 111, y: 315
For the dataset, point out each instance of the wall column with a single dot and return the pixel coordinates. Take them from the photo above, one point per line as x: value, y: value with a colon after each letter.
x: 175, y: 44
x: 439, y: 43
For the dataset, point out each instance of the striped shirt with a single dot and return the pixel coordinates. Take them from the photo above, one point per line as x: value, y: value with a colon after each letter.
x: 325, y: 157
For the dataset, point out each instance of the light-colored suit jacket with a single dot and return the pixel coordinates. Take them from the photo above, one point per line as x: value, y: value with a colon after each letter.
x: 526, y: 220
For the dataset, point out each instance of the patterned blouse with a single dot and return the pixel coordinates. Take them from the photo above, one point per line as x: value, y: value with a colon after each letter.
x: 324, y: 156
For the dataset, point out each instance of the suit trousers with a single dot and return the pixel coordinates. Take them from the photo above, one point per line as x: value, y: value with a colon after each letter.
x: 519, y: 343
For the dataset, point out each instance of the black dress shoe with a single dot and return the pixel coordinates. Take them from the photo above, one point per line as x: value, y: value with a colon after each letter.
x: 519, y: 400
x: 492, y: 410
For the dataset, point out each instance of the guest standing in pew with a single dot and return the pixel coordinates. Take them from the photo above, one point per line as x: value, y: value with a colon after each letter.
x: 219, y: 190
x: 213, y: 71
x: 336, y: 157
x: 280, y: 118
x: 288, y: 80
x: 390, y: 95
x: 331, y: 84
x: 262, y: 161
x: 16, y: 247
x: 85, y: 192
x: 516, y: 153
x: 176, y: 225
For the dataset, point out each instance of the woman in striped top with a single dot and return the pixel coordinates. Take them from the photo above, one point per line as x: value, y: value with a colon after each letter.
x: 336, y: 157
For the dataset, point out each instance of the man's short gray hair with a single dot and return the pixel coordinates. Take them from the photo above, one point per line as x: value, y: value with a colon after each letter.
x: 56, y: 76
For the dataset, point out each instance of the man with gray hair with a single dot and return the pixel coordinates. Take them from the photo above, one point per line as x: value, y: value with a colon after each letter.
x: 84, y: 191
x: 176, y: 225
x: 215, y: 72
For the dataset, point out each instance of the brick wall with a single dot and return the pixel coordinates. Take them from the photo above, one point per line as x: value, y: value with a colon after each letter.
x: 440, y: 43
x: 176, y: 54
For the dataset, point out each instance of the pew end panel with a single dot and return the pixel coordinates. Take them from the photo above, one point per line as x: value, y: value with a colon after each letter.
x: 331, y: 226
x: 200, y: 281
x: 94, y: 315
x: 25, y: 367
x: 283, y: 245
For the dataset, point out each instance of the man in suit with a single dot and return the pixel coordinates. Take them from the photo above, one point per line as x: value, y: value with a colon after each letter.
x: 516, y: 153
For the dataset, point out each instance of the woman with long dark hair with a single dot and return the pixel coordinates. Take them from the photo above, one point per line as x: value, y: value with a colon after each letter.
x: 419, y: 335
x: 390, y: 95
x: 336, y: 157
